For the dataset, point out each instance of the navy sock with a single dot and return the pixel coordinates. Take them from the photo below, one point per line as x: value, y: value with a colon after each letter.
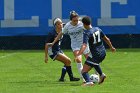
x: 98, y: 69
x: 63, y: 73
x: 86, y: 76
x: 69, y: 71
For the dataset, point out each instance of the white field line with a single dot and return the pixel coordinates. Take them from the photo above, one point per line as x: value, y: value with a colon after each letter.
x: 7, y: 55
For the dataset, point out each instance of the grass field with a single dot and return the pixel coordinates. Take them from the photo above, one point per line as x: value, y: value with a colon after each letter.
x: 25, y: 72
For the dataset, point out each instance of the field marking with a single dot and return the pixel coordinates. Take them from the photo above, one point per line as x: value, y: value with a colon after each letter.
x: 7, y: 55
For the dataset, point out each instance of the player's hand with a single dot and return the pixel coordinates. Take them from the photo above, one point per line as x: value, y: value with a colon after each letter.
x: 113, y: 49
x: 49, y: 44
x: 78, y: 58
x: 75, y: 59
x: 46, y: 59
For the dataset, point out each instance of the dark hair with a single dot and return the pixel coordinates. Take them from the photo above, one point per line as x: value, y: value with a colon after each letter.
x: 73, y: 14
x: 86, y: 20
x: 55, y: 20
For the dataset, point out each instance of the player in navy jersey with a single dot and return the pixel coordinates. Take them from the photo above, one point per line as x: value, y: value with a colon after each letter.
x: 95, y: 37
x: 56, y: 53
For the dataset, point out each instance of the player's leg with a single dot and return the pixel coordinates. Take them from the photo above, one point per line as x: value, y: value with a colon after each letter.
x: 97, y: 67
x: 66, y: 60
x: 79, y: 63
x: 86, y: 69
x: 53, y: 55
x: 86, y: 54
x: 63, y: 73
x: 99, y: 70
x: 63, y: 58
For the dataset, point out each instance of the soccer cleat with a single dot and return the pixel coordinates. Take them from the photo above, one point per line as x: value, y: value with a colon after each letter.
x: 102, y: 78
x: 74, y: 79
x: 84, y: 82
x: 61, y: 80
x: 88, y: 84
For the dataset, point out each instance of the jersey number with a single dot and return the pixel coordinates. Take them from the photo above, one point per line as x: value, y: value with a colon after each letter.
x: 96, y: 37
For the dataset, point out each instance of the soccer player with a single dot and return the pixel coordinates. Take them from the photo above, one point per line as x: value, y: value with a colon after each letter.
x: 94, y: 36
x: 56, y: 53
x: 74, y: 28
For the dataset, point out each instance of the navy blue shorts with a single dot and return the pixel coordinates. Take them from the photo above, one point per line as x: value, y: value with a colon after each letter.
x: 54, y: 55
x: 94, y: 61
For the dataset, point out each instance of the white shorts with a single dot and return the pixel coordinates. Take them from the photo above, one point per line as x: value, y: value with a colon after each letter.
x: 86, y: 51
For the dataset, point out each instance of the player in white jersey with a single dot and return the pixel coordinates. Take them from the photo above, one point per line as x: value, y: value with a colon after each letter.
x: 74, y: 28
x: 76, y: 34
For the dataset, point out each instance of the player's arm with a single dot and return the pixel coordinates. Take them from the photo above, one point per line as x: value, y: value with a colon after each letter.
x: 49, y: 39
x: 64, y: 30
x: 107, y: 40
x: 55, y: 40
x: 78, y: 56
x: 84, y: 45
x: 46, y: 52
x: 82, y: 49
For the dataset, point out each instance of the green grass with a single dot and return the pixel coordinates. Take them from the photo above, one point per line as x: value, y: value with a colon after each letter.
x: 26, y: 72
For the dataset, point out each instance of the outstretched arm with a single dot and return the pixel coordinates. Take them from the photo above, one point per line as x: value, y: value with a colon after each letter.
x: 107, y: 40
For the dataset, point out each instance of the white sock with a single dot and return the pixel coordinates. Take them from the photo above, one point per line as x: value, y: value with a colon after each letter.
x: 80, y: 67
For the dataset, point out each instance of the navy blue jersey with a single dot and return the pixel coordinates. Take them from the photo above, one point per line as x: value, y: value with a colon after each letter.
x: 50, y: 38
x: 93, y: 37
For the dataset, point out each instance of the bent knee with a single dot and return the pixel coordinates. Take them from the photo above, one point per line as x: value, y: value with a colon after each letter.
x: 83, y: 71
x: 68, y: 62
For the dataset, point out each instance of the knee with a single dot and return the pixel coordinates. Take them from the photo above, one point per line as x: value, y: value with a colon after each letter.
x: 68, y: 61
x: 83, y: 71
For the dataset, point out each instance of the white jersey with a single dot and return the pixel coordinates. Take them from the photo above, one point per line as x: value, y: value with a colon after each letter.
x: 75, y: 33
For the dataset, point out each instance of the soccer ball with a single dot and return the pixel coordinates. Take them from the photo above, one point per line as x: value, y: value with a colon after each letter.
x: 94, y: 78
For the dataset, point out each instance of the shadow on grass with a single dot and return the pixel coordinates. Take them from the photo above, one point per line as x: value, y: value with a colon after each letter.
x: 45, y: 83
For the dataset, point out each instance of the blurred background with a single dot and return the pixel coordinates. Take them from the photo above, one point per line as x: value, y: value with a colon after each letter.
x: 24, y: 24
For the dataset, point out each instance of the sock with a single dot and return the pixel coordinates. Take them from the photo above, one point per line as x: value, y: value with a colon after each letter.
x: 95, y: 71
x: 80, y: 67
x: 63, y: 73
x: 98, y: 69
x: 69, y: 71
x: 86, y: 76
